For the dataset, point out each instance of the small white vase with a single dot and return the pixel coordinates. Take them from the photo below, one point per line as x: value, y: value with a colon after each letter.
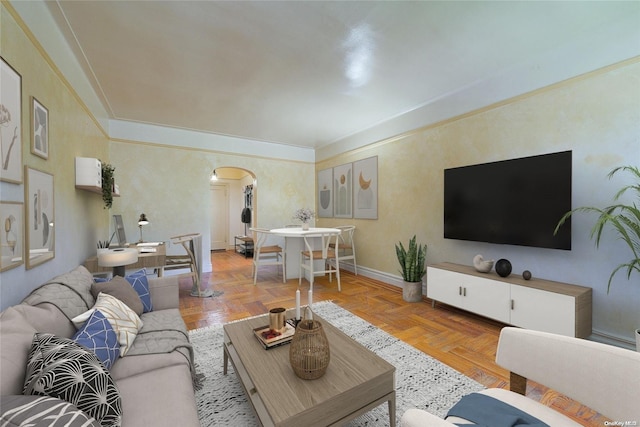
x: 305, y: 225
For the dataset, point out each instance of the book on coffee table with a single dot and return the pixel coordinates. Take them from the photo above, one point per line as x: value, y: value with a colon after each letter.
x: 270, y: 338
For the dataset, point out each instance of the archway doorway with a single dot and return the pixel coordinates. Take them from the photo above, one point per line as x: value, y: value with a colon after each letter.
x: 233, y: 196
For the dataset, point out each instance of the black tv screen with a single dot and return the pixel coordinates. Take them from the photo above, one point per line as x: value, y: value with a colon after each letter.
x: 514, y: 202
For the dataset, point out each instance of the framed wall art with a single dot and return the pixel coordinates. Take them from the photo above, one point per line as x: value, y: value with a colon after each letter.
x: 10, y: 123
x: 342, y: 191
x: 39, y: 129
x: 11, y: 237
x: 40, y: 236
x: 365, y: 188
x: 325, y: 195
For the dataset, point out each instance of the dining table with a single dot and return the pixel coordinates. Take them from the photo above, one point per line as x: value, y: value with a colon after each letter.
x: 294, y: 245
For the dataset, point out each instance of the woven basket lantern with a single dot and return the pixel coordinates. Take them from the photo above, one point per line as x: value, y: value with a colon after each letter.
x: 309, y: 349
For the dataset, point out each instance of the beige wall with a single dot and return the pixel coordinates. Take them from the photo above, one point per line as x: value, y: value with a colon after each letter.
x: 171, y: 185
x: 79, y: 216
x: 597, y: 116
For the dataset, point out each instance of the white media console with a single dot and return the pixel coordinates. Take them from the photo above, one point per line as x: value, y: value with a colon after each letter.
x: 537, y: 304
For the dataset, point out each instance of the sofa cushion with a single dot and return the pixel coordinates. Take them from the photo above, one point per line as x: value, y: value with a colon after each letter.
x: 171, y: 403
x: 140, y: 283
x: 59, y: 367
x: 124, y: 321
x: 16, y: 337
x: 42, y: 411
x: 98, y: 336
x: 121, y: 289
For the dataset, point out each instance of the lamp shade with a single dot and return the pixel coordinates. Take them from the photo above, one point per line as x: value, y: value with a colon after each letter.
x: 117, y: 257
x: 143, y: 220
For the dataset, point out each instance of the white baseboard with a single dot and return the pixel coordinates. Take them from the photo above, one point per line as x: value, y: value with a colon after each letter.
x: 606, y: 338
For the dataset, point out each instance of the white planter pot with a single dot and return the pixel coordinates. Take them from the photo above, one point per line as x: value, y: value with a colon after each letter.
x: 412, y: 291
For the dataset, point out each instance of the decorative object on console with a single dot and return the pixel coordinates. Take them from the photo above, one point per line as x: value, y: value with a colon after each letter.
x: 482, y: 265
x: 412, y: 263
x: 118, y: 258
x: 503, y: 267
x: 142, y: 221
x: 304, y: 215
x: 526, y: 275
x: 309, y: 353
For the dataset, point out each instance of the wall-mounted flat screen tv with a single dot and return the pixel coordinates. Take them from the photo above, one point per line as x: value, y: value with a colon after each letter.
x: 514, y: 202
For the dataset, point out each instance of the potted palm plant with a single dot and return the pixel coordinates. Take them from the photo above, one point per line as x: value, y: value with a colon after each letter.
x: 625, y: 220
x: 412, y: 264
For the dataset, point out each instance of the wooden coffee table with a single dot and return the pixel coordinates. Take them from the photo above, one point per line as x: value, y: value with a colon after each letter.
x: 356, y: 381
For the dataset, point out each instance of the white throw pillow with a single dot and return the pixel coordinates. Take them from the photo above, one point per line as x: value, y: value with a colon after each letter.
x: 124, y: 321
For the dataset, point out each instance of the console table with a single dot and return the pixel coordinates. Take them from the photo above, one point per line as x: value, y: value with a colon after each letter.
x: 538, y: 304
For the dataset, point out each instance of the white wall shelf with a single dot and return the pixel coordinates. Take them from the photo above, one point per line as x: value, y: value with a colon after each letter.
x: 89, y: 175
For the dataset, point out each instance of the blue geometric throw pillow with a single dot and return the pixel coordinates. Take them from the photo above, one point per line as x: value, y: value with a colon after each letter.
x: 98, y: 336
x: 140, y: 283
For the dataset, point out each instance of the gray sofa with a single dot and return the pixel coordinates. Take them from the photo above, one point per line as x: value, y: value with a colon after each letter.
x: 155, y: 380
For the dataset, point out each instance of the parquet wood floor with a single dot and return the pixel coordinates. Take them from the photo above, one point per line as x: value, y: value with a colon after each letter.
x: 462, y: 340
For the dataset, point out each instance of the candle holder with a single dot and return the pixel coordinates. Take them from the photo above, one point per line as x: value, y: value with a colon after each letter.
x: 309, y: 352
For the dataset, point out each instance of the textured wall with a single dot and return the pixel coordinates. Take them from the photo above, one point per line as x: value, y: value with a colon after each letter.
x: 171, y: 185
x: 597, y: 116
x: 79, y: 216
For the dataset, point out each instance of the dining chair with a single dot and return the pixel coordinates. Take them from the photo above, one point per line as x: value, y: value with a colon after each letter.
x: 191, y: 243
x: 265, y: 253
x: 326, y: 254
x: 346, y: 247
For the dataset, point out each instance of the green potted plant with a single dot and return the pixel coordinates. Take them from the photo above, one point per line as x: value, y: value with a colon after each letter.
x: 413, y: 269
x: 107, y: 184
x: 624, y: 219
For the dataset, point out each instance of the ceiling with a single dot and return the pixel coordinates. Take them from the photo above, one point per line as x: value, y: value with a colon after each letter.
x: 305, y: 73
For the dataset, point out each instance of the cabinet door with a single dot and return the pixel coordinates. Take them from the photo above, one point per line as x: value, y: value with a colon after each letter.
x: 543, y: 311
x: 444, y: 286
x: 486, y: 297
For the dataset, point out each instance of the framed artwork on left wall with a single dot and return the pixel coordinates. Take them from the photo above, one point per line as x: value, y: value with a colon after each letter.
x: 10, y: 124
x: 11, y: 237
x: 39, y: 129
x: 40, y: 221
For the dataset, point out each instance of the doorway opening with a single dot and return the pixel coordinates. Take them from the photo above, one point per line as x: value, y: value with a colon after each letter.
x: 233, y: 205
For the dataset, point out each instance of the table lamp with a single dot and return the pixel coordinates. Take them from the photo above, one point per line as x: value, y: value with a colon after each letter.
x: 118, y: 258
x: 142, y: 221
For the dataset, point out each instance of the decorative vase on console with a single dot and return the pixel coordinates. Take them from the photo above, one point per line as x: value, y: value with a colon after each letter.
x: 503, y: 267
x: 482, y: 265
x: 305, y: 225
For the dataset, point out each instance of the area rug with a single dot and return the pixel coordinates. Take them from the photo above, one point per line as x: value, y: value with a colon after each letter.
x: 421, y: 381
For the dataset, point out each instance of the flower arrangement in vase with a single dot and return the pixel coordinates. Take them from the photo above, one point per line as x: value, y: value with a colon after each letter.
x: 304, y: 215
